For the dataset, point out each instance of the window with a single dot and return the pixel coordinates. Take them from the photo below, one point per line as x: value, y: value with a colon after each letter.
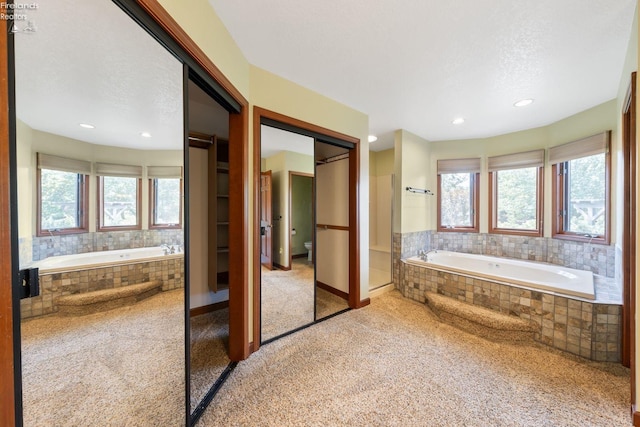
x: 458, y: 182
x: 165, y: 196
x: 581, y: 171
x: 62, y: 195
x: 515, y: 193
x: 118, y: 197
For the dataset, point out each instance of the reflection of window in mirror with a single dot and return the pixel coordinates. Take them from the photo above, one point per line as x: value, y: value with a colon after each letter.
x: 165, y: 203
x: 62, y: 195
x: 62, y: 201
x: 118, y: 202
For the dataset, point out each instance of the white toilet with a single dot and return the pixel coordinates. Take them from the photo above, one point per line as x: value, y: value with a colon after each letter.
x: 309, y: 247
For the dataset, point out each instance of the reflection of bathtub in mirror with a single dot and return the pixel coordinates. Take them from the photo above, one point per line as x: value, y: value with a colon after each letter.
x: 93, y: 271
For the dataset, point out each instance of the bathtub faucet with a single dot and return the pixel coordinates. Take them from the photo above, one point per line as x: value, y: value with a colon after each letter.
x: 167, y: 249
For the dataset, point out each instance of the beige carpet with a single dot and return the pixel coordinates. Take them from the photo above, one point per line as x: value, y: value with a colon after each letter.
x: 394, y: 364
x: 390, y: 364
x: 209, y: 352
x: 122, y: 367
x: 287, y: 299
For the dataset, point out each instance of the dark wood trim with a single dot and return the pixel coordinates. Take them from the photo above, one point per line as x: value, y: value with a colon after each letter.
x: 171, y: 27
x: 210, y: 308
x: 557, y: 204
x: 629, y: 236
x: 238, y: 184
x: 100, y: 219
x: 262, y: 112
x: 475, y: 217
x: 635, y: 416
x: 7, y: 360
x: 332, y: 290
x: 493, y: 219
x: 257, y: 266
x: 333, y: 227
x: 281, y: 267
x: 239, y: 229
x: 354, y: 226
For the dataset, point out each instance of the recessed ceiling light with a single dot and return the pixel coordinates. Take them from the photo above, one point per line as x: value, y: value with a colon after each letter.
x: 458, y: 121
x: 87, y: 126
x: 372, y: 138
x: 523, y: 103
x: 145, y: 135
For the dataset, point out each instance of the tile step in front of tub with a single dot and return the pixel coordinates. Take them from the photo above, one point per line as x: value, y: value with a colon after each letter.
x: 481, y: 321
x: 106, y: 299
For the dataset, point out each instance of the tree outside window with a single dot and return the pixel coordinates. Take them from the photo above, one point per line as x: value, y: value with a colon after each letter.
x: 456, y: 207
x: 586, y: 195
x: 61, y: 200
x: 119, y: 202
x: 166, y: 202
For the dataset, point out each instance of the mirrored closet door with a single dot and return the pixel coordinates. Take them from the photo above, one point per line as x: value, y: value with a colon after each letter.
x: 100, y: 134
x: 304, y: 231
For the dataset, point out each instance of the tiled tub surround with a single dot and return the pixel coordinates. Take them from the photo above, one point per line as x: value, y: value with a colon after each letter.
x: 590, y: 329
x: 166, y: 269
x: 599, y: 259
x: 39, y: 248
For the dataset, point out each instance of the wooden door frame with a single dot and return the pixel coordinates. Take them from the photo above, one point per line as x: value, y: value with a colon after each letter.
x: 313, y: 202
x: 354, y: 209
x: 9, y: 353
x: 629, y: 151
x: 145, y: 11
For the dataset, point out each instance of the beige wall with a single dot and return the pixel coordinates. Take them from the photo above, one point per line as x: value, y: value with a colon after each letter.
x: 412, y: 169
x: 382, y: 162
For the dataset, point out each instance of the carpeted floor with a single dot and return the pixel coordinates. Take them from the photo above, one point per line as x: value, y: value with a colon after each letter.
x: 394, y: 364
x: 209, y: 351
x: 287, y: 299
x: 122, y: 367
x: 389, y: 364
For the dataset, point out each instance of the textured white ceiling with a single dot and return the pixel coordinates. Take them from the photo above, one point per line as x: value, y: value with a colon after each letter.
x: 417, y: 65
x: 88, y: 62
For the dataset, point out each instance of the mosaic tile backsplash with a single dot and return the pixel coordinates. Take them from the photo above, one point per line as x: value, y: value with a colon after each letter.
x: 600, y: 259
x: 38, y: 248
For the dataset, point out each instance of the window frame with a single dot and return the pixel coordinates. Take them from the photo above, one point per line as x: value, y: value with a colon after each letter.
x: 559, y: 203
x: 152, y: 207
x: 100, y: 202
x: 493, y: 211
x: 83, y: 215
x: 475, y: 205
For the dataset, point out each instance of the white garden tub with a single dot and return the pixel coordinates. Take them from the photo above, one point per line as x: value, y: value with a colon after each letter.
x: 100, y: 259
x: 532, y: 275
